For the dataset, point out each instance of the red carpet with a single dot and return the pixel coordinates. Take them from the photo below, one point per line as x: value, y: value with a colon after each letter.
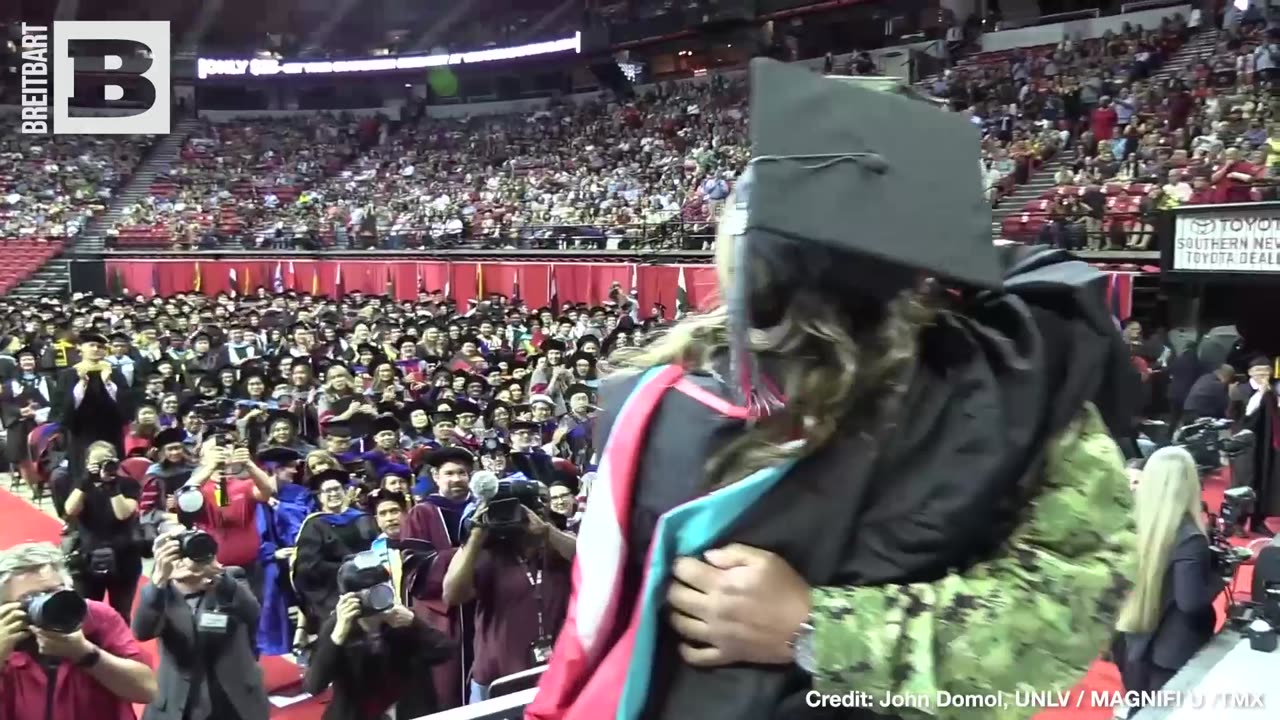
x: 22, y: 522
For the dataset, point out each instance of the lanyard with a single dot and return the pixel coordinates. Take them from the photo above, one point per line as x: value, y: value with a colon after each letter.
x: 535, y: 581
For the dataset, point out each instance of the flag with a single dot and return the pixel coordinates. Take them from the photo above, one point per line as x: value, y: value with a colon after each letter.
x: 248, y: 280
x: 155, y: 279
x: 196, y: 281
x: 277, y: 280
x: 635, y: 278
x: 233, y: 281
x: 338, y: 290
x: 390, y: 281
x: 682, y: 295
x: 291, y: 280
x: 479, y: 282
x: 315, y: 278
x: 1120, y: 294
x: 448, y: 283
x: 554, y: 293
x: 515, y: 288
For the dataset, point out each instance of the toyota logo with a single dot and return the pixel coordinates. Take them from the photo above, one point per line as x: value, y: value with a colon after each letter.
x: 1204, y: 226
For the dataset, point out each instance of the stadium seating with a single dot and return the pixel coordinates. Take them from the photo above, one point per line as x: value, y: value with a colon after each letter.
x: 23, y: 257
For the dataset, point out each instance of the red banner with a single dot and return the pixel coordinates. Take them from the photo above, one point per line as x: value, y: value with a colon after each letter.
x: 575, y: 282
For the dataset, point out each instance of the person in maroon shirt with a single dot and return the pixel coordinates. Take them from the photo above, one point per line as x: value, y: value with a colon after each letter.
x: 232, y: 520
x: 99, y: 671
x: 1103, y: 120
x: 1202, y: 192
x: 1234, y: 177
x: 521, y: 584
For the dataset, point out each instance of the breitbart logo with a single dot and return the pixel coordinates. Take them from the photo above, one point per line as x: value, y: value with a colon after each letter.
x: 39, y: 59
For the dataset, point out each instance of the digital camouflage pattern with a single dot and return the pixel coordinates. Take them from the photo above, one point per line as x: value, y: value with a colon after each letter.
x: 1032, y: 619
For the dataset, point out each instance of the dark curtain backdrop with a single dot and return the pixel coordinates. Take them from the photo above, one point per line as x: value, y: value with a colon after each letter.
x: 532, y: 281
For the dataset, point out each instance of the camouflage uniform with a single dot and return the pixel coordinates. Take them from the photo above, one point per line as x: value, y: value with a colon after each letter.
x: 1032, y: 619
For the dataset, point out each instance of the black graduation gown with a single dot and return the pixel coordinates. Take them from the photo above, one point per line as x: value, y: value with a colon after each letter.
x: 99, y: 416
x: 324, y: 543
x: 14, y: 396
x: 1265, y: 458
x: 977, y: 399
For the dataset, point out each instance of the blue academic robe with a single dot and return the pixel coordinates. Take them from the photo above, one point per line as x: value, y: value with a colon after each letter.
x: 278, y: 528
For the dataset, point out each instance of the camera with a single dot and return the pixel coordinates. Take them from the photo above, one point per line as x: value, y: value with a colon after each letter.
x: 506, y: 499
x: 109, y: 469
x: 60, y: 611
x: 197, y: 546
x: 366, y: 576
x: 1237, y: 505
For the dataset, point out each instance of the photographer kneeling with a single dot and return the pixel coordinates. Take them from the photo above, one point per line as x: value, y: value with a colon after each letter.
x: 102, y: 506
x: 373, y: 650
x: 206, y: 622
x: 44, y: 626
x: 1169, y: 614
x: 517, y: 568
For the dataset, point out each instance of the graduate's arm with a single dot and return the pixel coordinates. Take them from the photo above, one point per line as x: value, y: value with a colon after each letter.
x: 1034, y: 617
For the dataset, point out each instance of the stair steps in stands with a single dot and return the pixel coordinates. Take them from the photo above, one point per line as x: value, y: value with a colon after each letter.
x: 160, y: 159
x: 53, y: 279
x: 1201, y: 45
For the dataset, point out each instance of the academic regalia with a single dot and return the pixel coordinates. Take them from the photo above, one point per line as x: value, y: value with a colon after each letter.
x: 99, y: 416
x: 324, y: 541
x: 278, y: 526
x: 15, y: 395
x: 579, y: 438
x: 1264, y: 421
x: 439, y: 521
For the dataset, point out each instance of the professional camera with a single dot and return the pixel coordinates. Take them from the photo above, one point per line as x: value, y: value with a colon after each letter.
x: 1203, y: 439
x: 60, y: 611
x: 1237, y: 505
x: 366, y: 576
x: 193, y: 544
x: 109, y: 469
x: 506, y: 499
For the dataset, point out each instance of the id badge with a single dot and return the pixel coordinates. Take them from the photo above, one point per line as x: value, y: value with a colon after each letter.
x: 213, y: 623
x: 540, y: 650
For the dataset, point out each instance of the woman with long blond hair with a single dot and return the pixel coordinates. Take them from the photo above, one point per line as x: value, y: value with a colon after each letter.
x: 883, y: 464
x: 1169, y: 614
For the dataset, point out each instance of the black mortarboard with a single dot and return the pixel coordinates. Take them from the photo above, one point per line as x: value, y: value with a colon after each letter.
x: 517, y: 425
x: 377, y: 496
x: 279, y: 415
x: 494, y: 446
x: 1260, y: 361
x: 89, y: 336
x: 320, y: 478
x: 28, y: 350
x: 439, y: 457
x: 846, y: 167
x: 337, y: 429
x: 461, y: 407
x: 169, y: 436
x: 440, y: 416
x: 385, y: 423
x: 552, y: 344
x: 279, y: 455
x: 119, y: 337
x: 578, y: 388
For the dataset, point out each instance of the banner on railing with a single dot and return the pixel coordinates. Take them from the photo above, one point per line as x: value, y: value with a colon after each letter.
x: 1227, y: 239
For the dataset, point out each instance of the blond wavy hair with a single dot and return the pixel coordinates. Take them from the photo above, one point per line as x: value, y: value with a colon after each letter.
x: 830, y: 370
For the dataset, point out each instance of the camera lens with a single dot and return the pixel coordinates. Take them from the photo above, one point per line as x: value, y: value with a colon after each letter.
x: 197, y: 546
x: 378, y: 599
x: 109, y: 468
x: 61, y: 611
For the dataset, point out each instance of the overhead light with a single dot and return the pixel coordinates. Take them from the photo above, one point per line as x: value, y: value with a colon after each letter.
x: 408, y: 85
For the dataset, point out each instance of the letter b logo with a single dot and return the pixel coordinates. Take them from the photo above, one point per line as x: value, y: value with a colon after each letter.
x: 154, y: 36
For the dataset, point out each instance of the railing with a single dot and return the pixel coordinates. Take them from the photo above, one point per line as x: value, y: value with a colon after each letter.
x: 673, y: 235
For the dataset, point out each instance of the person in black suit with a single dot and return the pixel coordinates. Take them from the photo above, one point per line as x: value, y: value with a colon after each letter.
x: 90, y: 401
x: 1255, y: 405
x: 25, y: 402
x: 1209, y: 395
x: 1169, y: 614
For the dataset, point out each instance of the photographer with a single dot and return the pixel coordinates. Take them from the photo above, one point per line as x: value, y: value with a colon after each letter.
x: 205, y: 622
x: 233, y: 485
x: 107, y: 671
x: 374, y: 651
x: 1254, y: 406
x: 519, y: 577
x: 1169, y: 614
x: 102, y: 506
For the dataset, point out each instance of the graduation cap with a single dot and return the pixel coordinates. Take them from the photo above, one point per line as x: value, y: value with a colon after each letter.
x: 551, y: 344
x: 26, y: 350
x: 385, y: 423
x: 581, y: 356
x: 279, y: 455
x: 385, y: 468
x: 465, y: 407
x: 494, y: 446
x: 169, y: 436
x: 336, y: 429
x: 320, y: 478
x: 577, y: 388
x: 377, y: 496
x: 119, y: 337
x: 522, y: 425
x: 444, y: 416
x: 90, y: 336
x: 458, y: 455
x: 280, y: 415
x: 540, y: 398
x: 836, y: 165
